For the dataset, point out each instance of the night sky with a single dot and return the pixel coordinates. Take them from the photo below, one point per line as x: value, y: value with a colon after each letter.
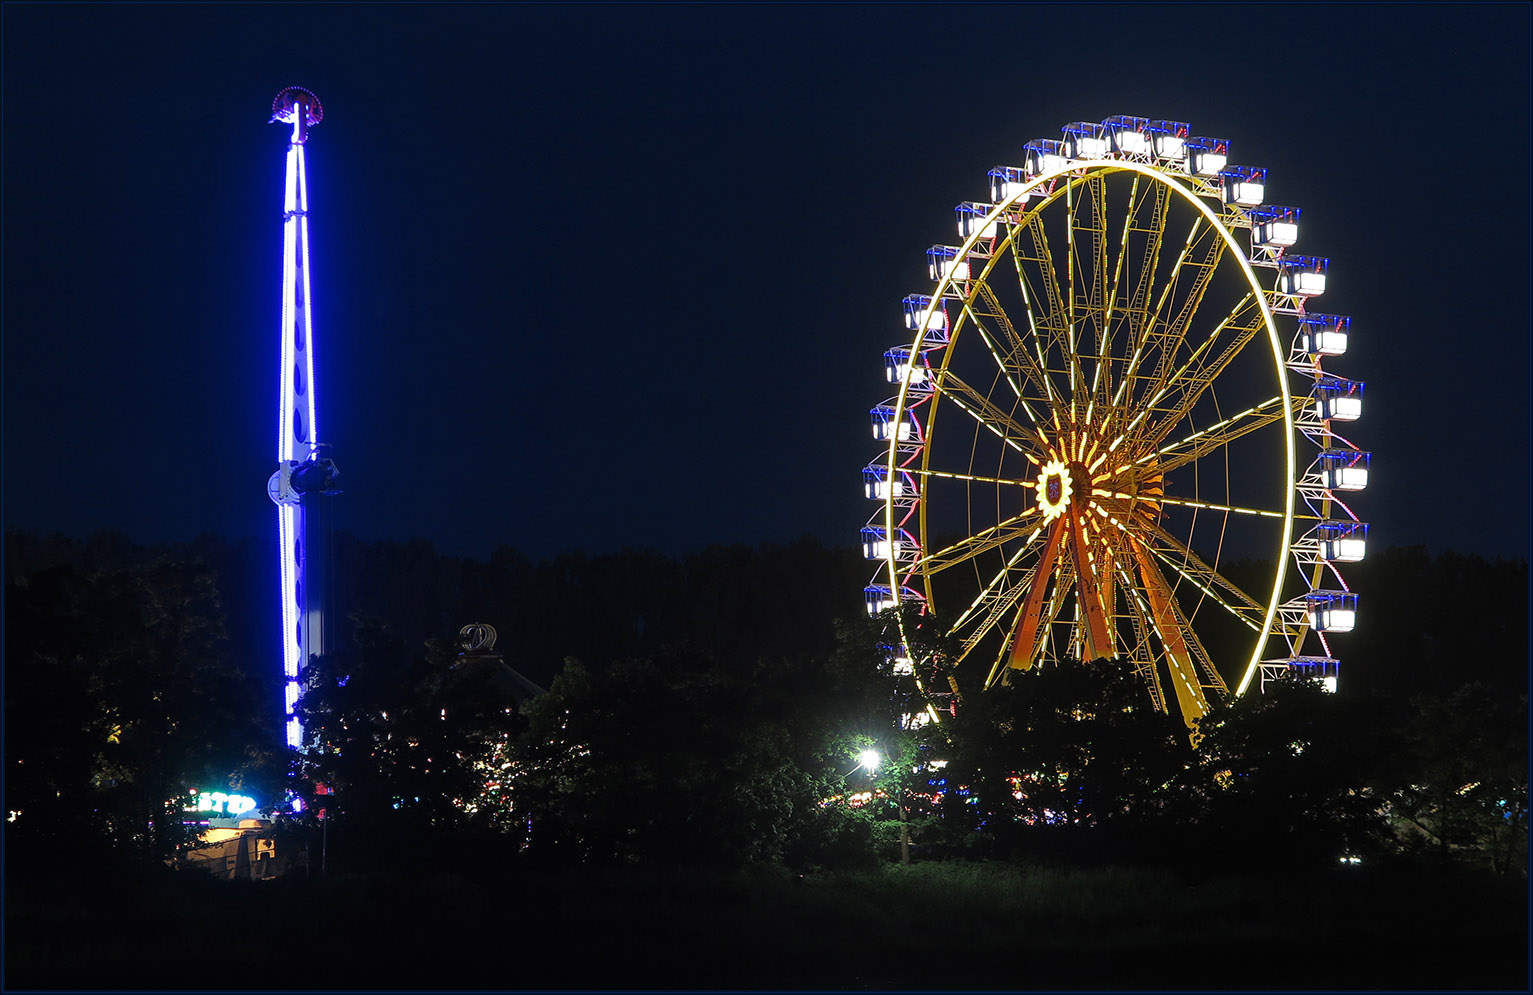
x: 600, y: 277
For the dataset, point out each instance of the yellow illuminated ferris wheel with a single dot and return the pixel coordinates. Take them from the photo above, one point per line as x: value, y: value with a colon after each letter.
x: 1112, y: 435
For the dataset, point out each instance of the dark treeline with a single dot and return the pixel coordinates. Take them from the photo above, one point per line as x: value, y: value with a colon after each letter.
x: 711, y: 709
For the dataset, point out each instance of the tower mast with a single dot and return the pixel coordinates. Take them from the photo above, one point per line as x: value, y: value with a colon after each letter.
x: 303, y: 477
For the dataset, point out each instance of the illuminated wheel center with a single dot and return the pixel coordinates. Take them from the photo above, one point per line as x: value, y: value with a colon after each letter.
x: 1054, y: 489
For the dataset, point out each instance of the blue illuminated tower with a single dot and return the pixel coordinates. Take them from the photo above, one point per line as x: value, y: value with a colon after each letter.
x: 303, y: 477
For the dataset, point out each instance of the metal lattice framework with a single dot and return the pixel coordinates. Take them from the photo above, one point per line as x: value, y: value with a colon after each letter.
x: 1112, y: 435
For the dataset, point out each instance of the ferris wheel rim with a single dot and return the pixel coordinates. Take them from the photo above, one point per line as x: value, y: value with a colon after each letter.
x: 1076, y: 173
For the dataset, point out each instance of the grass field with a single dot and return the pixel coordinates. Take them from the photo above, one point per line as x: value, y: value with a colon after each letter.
x: 925, y: 926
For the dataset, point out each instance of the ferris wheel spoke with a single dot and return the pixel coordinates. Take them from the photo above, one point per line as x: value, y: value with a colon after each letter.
x: 980, y: 408
x: 1050, y: 330
x: 1102, y: 373
x: 1209, y: 440
x: 1161, y: 499
x: 1188, y: 565
x: 1017, y: 352
x: 1088, y: 266
x: 1139, y: 311
x: 1022, y: 527
x: 995, y: 599
x: 1159, y: 335
x: 1203, y: 663
x: 974, y: 478
x: 1203, y: 261
x: 1143, y: 652
x: 1188, y: 384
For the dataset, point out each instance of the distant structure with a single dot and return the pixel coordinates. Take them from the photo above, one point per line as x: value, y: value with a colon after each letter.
x: 478, y: 661
x: 303, y: 477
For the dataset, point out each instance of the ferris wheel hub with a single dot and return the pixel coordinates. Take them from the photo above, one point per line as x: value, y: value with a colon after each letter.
x: 1054, y: 487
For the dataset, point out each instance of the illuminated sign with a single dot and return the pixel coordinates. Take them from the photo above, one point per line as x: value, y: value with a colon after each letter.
x: 218, y: 801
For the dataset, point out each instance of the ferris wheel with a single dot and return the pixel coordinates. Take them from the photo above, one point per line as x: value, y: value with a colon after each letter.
x: 1112, y: 435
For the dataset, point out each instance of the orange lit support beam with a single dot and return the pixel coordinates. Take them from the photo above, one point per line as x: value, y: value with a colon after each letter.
x: 1096, y: 640
x: 1024, y: 648
x: 1184, y: 675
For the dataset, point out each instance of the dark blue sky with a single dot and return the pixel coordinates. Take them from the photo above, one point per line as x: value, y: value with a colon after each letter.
x: 594, y: 277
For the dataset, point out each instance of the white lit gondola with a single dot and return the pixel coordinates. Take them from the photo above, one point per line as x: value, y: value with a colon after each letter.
x: 1302, y: 276
x: 887, y: 427
x: 1128, y: 134
x: 1085, y: 140
x: 922, y: 312
x: 1168, y: 139
x: 1243, y: 185
x: 1331, y: 611
x: 877, y: 485
x: 1323, y: 670
x: 1043, y: 155
x: 1337, y: 399
x: 1344, y: 469
x: 943, y: 261
x: 1275, y: 227
x: 1342, y: 541
x: 1206, y: 156
x: 971, y: 220
x: 1323, y: 334
x: 877, y: 544
x: 899, y: 363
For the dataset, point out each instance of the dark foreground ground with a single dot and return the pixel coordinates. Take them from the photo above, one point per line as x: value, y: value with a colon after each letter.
x: 927, y: 926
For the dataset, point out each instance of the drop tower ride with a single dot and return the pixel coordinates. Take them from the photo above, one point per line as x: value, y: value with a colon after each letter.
x: 303, y: 477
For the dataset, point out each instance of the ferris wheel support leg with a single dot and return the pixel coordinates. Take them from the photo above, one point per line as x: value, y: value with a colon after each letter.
x: 1184, y: 673
x: 1096, y: 642
x: 1024, y: 649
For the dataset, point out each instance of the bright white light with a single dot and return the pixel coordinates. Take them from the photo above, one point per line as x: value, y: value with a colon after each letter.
x: 881, y: 549
x: 1281, y: 233
x: 1329, y: 684
x: 882, y: 430
x: 1326, y: 342
x: 1334, y: 619
x: 880, y: 489
x: 869, y: 760
x: 1132, y: 142
x: 1303, y: 283
x: 915, y: 720
x: 958, y: 269
x: 904, y: 665
x: 1169, y: 146
x: 1346, y: 478
x: 1208, y: 163
x: 1246, y: 192
x: 933, y: 318
x: 1342, y: 407
x: 1345, y: 550
x: 968, y: 223
x: 1087, y: 147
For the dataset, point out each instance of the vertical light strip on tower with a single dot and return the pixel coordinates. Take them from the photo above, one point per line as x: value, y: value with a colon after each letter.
x: 302, y: 476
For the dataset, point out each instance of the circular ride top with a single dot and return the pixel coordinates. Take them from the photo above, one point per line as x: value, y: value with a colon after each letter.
x: 1112, y: 435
